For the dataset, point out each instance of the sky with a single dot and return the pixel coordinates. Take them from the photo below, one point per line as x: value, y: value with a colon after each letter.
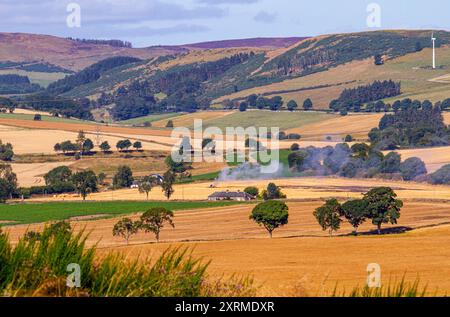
x: 173, y: 22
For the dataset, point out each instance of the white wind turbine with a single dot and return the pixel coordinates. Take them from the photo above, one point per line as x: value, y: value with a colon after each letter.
x: 434, y: 50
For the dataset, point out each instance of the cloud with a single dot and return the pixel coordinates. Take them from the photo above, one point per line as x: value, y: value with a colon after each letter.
x: 50, y: 12
x: 265, y: 17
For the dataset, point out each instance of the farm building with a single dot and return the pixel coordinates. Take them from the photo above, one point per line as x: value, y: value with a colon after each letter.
x: 237, y: 196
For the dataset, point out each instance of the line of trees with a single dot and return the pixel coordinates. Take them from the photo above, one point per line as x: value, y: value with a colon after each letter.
x: 413, y: 124
x: 358, y: 161
x: 151, y: 221
x: 354, y: 98
x: 380, y: 205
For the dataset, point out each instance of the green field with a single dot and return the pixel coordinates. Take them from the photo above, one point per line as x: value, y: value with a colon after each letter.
x: 259, y: 118
x: 40, y: 78
x: 24, y: 116
x: 44, y: 212
x: 150, y: 118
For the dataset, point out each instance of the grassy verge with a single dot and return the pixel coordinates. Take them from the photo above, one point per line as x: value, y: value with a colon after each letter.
x: 200, y: 178
x: 38, y: 267
x: 45, y: 212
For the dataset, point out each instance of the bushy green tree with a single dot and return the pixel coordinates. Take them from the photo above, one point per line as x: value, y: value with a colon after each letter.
x: 383, y: 207
x: 412, y: 167
x: 60, y: 174
x: 85, y: 182
x: 105, y: 147
x: 307, y: 104
x: 167, y: 183
x: 292, y: 105
x: 329, y: 216
x: 251, y: 190
x: 271, y: 215
x: 355, y: 211
x: 123, y: 177
x: 125, y: 228
x: 154, y: 219
x: 6, y: 151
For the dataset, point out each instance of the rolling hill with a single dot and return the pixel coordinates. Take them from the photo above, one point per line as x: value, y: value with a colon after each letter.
x: 196, y: 76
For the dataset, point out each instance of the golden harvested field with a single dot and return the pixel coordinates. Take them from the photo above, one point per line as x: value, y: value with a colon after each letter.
x: 447, y: 118
x: 434, y: 158
x: 294, y: 188
x: 32, y: 174
x: 300, y: 257
x: 357, y: 125
x: 187, y: 120
x: 42, y: 141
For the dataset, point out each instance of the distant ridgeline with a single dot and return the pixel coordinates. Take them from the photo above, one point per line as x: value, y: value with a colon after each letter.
x: 16, y: 84
x: 413, y: 124
x: 354, y: 99
x: 113, y: 43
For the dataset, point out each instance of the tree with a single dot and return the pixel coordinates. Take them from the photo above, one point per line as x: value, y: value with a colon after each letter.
x: 85, y: 182
x: 123, y: 145
x: 8, y: 182
x: 105, y: 147
x: 69, y: 147
x: 167, y: 184
x: 125, y: 228
x: 272, y: 192
x: 307, y: 104
x: 391, y: 163
x: 37, y: 117
x: 153, y: 220
x: 175, y: 167
x: 169, y: 124
x: 261, y: 103
x: 243, y: 106
x: 6, y: 151
x: 348, y: 138
x: 57, y: 147
x: 441, y: 176
x: 271, y: 215
x: 88, y: 145
x: 328, y: 216
x: 123, y: 178
x: 137, y: 145
x: 292, y: 105
x: 355, y: 211
x: 412, y: 167
x: 60, y: 174
x: 383, y: 207
x: 252, y: 191
x: 295, y: 147
x: 378, y: 60
x: 81, y: 138
x: 146, y: 184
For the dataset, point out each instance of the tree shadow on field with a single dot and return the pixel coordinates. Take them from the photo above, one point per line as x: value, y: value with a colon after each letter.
x: 385, y: 231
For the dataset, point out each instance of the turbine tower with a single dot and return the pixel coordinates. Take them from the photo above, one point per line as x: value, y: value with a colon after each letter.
x: 434, y: 50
